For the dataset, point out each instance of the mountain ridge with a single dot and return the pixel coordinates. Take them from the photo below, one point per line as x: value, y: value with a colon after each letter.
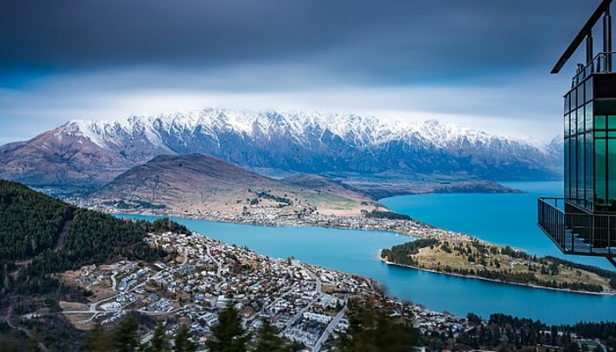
x: 92, y: 153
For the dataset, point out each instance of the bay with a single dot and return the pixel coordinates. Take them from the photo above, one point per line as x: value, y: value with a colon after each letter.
x: 356, y: 251
x: 508, y: 219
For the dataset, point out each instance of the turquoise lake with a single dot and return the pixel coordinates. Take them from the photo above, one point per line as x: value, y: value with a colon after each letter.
x: 356, y: 251
x: 505, y: 219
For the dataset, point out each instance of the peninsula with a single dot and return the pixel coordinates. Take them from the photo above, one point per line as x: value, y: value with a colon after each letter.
x: 470, y: 257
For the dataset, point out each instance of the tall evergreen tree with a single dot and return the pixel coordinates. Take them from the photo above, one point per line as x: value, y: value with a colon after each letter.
x: 373, y: 329
x: 269, y: 341
x: 98, y: 340
x: 228, y: 335
x: 33, y: 345
x: 159, y: 342
x: 182, y: 342
x: 126, y: 336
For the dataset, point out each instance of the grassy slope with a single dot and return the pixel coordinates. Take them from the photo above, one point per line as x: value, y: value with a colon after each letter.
x: 465, y: 255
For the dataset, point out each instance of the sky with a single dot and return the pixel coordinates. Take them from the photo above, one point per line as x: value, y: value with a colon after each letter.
x: 478, y: 63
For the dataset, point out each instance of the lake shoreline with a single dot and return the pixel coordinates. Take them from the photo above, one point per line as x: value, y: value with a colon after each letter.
x: 412, y: 228
x: 608, y: 294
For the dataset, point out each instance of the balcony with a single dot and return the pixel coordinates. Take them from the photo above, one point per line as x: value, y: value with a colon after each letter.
x: 602, y: 63
x: 576, y: 231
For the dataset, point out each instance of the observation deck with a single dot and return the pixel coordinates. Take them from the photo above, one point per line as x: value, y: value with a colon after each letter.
x: 576, y: 231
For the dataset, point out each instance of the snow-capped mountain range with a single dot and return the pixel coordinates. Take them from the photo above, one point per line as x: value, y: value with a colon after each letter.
x: 94, y: 152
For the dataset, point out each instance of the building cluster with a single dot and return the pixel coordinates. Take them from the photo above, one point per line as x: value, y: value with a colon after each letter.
x: 264, y: 218
x: 201, y: 276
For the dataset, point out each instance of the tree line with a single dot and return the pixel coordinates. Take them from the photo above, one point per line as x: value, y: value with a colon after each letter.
x: 401, y: 253
x: 506, y: 332
x: 372, y: 328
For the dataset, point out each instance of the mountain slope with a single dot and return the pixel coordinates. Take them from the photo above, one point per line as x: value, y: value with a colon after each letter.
x: 41, y: 237
x: 194, y: 183
x: 60, y: 157
x: 92, y: 153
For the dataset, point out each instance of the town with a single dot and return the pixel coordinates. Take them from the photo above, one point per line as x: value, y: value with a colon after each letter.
x: 307, y: 303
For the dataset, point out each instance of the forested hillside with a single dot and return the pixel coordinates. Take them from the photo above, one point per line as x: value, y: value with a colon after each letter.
x: 40, y: 236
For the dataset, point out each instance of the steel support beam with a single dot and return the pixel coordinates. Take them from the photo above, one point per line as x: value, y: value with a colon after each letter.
x: 584, y: 32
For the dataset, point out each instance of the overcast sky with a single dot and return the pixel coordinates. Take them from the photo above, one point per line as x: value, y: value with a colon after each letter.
x: 478, y: 63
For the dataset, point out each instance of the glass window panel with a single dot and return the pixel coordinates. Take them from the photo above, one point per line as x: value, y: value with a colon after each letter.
x: 611, y: 134
x: 580, y: 95
x: 573, y: 168
x: 567, y: 126
x: 588, y: 89
x: 611, y: 172
x: 599, y: 122
x: 611, y: 122
x: 589, y: 167
x: 567, y: 168
x: 600, y: 134
x: 588, y: 70
x: 605, y: 107
x: 580, y: 120
x: 589, y: 116
x: 567, y: 104
x: 581, y: 168
x: 600, y: 172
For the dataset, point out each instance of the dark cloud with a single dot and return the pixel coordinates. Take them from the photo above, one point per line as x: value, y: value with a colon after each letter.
x: 479, y: 62
x: 372, y: 41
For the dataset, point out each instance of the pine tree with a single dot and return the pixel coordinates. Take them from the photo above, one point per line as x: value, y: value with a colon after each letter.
x: 33, y: 345
x: 372, y: 329
x: 182, y: 342
x: 269, y: 341
x: 159, y: 342
x: 228, y: 335
x: 126, y: 337
x: 98, y: 340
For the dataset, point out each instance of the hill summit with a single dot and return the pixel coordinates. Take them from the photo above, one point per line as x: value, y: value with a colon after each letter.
x: 196, y: 183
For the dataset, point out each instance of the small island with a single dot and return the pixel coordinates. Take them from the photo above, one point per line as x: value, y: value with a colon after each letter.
x: 470, y: 257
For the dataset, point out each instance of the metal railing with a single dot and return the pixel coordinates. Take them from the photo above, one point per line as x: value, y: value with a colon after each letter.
x: 575, y: 231
x: 602, y: 63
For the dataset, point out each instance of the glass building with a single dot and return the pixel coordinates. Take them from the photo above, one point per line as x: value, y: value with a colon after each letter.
x: 584, y: 222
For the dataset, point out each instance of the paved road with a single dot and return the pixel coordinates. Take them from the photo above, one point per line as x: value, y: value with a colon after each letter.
x: 113, y: 280
x: 207, y: 248
x: 312, y: 275
x: 185, y: 255
x: 291, y: 321
x: 330, y: 328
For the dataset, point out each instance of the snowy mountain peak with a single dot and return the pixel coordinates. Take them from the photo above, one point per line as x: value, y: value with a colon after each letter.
x: 94, y: 152
x: 354, y: 129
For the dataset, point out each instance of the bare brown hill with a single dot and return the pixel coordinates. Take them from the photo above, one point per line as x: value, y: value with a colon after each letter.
x: 196, y: 183
x: 60, y: 157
